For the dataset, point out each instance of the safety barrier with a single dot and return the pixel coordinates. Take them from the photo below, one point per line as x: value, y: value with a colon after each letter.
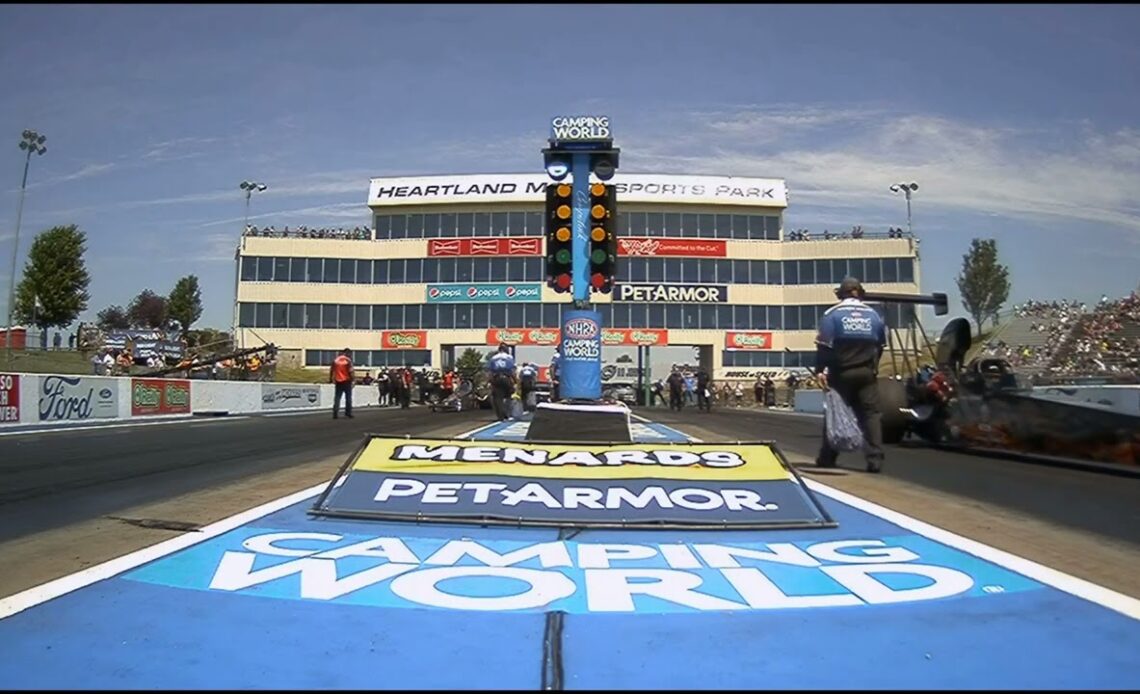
x: 809, y: 401
x: 58, y: 399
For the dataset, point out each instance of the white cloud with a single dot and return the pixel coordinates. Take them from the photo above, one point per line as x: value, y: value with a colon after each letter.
x: 334, y: 215
x: 853, y: 156
x: 178, y: 148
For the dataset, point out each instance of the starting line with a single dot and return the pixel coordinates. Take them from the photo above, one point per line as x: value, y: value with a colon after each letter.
x: 275, y: 598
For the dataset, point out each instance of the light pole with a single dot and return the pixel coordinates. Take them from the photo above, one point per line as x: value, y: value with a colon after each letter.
x: 906, y: 188
x: 249, y: 187
x: 31, y: 142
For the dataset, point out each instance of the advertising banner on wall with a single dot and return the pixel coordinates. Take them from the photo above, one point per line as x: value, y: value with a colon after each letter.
x: 278, y: 397
x: 751, y: 340
x: 581, y: 355
x: 9, y: 398
x: 151, y: 396
x: 672, y: 293
x: 485, y: 246
x: 633, y: 337
x: 404, y: 339
x: 539, y: 337
x: 483, y: 293
x: 617, y: 484
x: 695, y: 248
x: 75, y: 398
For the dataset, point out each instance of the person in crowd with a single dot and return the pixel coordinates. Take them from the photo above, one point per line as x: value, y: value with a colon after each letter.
x: 556, y: 374
x: 704, y: 391
x: 676, y: 390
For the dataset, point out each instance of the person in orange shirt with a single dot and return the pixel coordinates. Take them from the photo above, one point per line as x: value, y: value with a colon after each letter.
x: 341, y: 375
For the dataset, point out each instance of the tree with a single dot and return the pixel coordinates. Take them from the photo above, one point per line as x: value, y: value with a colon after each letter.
x: 112, y: 318
x: 147, y: 310
x: 983, y: 282
x: 470, y: 366
x: 185, y: 302
x: 53, y: 290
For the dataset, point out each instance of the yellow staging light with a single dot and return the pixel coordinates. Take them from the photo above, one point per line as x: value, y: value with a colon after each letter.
x: 563, y: 212
x: 563, y: 234
x: 598, y: 211
x: 598, y: 234
x: 597, y: 190
x: 564, y: 190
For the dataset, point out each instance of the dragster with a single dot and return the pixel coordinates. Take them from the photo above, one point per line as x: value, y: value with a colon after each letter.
x: 983, y: 406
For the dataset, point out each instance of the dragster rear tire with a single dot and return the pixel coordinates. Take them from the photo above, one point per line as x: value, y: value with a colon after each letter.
x: 892, y: 397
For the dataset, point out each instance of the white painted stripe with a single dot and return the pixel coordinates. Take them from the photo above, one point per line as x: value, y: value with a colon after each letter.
x: 81, y: 579
x: 476, y: 430
x: 1072, y: 585
x: 121, y: 425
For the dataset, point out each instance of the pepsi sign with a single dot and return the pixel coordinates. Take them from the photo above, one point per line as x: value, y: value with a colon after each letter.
x: 482, y: 293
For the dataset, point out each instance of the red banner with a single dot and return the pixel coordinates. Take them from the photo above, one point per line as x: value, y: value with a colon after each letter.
x: 151, y: 396
x: 9, y: 398
x: 543, y: 337
x: 634, y: 336
x: 748, y: 340
x: 404, y: 339
x: 700, y: 248
x: 527, y: 245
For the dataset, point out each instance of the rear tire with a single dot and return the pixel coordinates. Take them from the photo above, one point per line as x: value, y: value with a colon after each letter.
x: 892, y: 396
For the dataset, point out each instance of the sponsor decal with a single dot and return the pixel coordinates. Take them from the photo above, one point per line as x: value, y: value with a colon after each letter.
x: 64, y: 398
x: 581, y: 329
x: 9, y: 398
x: 404, y: 339
x: 483, y: 293
x: 151, y: 396
x: 580, y: 128
x: 652, y: 188
x: 672, y: 247
x: 761, y: 340
x: 277, y: 397
x: 634, y: 336
x: 485, y: 246
x: 543, y: 337
x: 672, y: 293
x: 635, y: 577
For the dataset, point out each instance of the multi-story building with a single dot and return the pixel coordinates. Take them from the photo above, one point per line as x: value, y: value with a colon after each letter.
x: 458, y: 260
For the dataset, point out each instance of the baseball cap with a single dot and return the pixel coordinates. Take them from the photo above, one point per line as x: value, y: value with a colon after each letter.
x: 849, y: 287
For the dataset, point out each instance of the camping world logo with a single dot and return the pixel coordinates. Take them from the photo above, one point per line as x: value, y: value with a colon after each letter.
x: 581, y: 329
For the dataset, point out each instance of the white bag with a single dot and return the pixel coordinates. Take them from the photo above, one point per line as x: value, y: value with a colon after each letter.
x: 843, y: 432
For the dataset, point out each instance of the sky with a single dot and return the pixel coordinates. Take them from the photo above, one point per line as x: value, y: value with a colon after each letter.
x: 1019, y: 123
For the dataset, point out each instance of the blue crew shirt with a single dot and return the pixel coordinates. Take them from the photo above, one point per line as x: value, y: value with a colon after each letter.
x: 851, y: 335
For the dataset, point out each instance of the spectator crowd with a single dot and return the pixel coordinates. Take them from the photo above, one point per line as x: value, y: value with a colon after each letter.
x: 856, y: 232
x: 357, y: 233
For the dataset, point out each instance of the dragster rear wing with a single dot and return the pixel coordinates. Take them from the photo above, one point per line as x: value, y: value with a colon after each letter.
x: 937, y: 300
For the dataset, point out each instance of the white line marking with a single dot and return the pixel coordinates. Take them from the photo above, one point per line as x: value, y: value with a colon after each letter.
x: 123, y: 425
x: 476, y: 430
x: 1079, y: 587
x: 81, y: 579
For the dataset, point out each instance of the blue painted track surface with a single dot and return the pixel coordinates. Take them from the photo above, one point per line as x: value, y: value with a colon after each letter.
x: 158, y: 626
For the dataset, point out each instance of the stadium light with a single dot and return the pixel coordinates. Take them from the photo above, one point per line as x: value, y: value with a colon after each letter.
x: 907, y: 189
x: 32, y: 143
x: 250, y: 187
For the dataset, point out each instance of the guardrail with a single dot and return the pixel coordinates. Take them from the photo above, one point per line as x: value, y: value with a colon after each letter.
x: 56, y: 399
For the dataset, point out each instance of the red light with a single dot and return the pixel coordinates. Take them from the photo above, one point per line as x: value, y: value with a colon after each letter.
x: 598, y: 280
x: 563, y: 281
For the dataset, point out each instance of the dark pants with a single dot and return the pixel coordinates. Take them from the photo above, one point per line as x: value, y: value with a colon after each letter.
x: 859, y: 388
x: 676, y: 401
x: 343, y: 389
x: 526, y: 390
x: 405, y: 397
x: 703, y: 401
x: 501, y: 391
x: 555, y: 394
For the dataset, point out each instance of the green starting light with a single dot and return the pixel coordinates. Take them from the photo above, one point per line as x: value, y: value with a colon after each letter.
x: 598, y: 256
x: 562, y: 256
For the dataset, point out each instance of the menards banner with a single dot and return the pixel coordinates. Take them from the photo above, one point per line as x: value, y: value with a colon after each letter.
x: 546, y: 337
x: 554, y: 484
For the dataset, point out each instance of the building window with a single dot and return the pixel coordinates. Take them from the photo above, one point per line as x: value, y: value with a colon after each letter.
x: 673, y: 271
x: 516, y: 316
x: 482, y: 224
x: 413, y: 270
x: 636, y: 269
x: 655, y: 223
x: 446, y: 318
x: 550, y: 316
x: 890, y: 270
x: 431, y: 270
x: 656, y: 317
x: 672, y: 225
x: 383, y: 227
x: 481, y: 269
x: 706, y: 272
x: 496, y: 315
x: 399, y: 227
x: 431, y: 226
x: 655, y: 269
x: 873, y: 270
x: 447, y: 225
x: 906, y: 270
x: 479, y: 316
x: 706, y: 226
x: 396, y: 271
x: 534, y: 226
x: 415, y: 226
x: 465, y: 224
x: 463, y: 270
x: 249, y: 269
x: 534, y: 269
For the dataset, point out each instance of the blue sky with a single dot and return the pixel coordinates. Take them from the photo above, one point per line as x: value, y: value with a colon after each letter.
x: 1020, y: 123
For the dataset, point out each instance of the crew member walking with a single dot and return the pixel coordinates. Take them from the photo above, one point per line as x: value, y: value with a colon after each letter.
x: 341, y: 375
x: 528, y: 380
x: 502, y: 368
x: 849, y: 346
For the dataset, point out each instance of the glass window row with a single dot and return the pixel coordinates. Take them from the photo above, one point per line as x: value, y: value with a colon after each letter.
x: 534, y: 315
x: 660, y: 224
x: 383, y: 358
x: 508, y: 269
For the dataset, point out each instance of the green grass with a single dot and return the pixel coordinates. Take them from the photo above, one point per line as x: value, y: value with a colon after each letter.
x: 37, y: 362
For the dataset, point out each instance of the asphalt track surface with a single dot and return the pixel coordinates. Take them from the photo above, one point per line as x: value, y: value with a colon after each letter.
x: 54, y: 479
x: 58, y: 478
x: 1102, y: 503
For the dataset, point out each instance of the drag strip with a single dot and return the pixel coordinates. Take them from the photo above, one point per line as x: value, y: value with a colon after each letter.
x: 1097, y: 502
x: 57, y: 478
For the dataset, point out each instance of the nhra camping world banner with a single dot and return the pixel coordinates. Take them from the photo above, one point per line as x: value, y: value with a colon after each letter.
x: 627, y: 485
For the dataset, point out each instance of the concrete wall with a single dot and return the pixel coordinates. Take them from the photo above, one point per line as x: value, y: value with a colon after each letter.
x: 62, y: 400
